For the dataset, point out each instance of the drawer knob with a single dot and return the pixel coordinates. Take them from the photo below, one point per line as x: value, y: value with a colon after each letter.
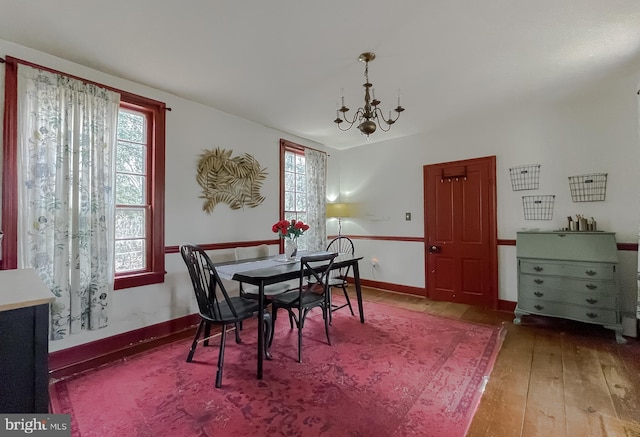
x: 592, y: 315
x: 592, y: 301
x: 538, y: 281
x: 538, y: 268
x: 591, y: 273
x: 538, y: 307
x: 591, y: 286
x: 539, y: 293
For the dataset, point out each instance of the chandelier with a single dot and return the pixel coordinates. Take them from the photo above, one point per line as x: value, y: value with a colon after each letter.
x: 370, y: 116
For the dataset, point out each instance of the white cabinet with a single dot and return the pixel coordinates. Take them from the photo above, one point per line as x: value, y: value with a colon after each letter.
x: 572, y: 275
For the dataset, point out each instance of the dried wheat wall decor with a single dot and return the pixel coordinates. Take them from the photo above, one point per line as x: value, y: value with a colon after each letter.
x: 235, y: 181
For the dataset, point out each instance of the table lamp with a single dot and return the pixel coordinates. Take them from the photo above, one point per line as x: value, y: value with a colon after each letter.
x: 339, y: 211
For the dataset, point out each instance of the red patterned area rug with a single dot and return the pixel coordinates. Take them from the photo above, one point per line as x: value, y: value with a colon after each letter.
x: 402, y: 373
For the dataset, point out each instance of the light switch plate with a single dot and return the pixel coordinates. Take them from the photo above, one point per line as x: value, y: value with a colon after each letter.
x: 407, y: 216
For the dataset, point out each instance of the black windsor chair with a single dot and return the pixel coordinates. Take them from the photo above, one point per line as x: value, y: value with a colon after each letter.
x: 338, y: 277
x: 215, y: 305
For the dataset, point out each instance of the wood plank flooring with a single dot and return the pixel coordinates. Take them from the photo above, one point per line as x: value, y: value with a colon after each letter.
x: 552, y: 377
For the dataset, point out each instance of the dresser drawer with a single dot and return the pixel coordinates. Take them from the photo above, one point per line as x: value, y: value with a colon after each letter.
x: 588, y: 299
x: 538, y: 282
x: 576, y: 270
x: 569, y: 311
x: 568, y: 246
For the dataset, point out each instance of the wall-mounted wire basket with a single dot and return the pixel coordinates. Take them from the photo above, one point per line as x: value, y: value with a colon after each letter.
x: 525, y: 177
x: 538, y: 207
x: 588, y: 187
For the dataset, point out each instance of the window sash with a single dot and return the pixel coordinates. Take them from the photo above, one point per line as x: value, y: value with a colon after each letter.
x: 293, y: 185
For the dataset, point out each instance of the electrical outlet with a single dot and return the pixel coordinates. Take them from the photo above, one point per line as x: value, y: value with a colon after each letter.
x: 374, y: 262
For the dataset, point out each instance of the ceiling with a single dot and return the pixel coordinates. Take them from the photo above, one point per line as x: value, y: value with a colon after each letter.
x: 283, y: 63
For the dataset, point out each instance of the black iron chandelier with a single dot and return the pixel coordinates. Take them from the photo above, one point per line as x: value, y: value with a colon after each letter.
x: 370, y: 116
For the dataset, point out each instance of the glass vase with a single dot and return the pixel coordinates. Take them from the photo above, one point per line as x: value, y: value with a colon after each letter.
x: 290, y: 249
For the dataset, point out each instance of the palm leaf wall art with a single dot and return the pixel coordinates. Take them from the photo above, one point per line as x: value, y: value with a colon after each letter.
x: 235, y: 181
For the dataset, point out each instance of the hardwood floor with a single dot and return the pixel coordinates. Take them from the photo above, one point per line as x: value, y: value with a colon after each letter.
x: 552, y: 377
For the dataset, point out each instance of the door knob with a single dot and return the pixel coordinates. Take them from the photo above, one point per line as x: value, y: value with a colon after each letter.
x: 434, y: 249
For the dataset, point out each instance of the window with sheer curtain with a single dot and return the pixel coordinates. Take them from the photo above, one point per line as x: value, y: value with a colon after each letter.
x: 303, y: 191
x: 66, y: 151
x: 59, y: 204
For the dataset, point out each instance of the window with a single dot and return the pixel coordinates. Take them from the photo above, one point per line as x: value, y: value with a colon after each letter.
x: 294, y: 185
x: 295, y: 195
x: 139, y: 245
x: 140, y: 188
x: 131, y: 192
x: 303, y: 176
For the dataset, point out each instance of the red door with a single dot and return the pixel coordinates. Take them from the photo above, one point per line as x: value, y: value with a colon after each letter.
x: 460, y: 232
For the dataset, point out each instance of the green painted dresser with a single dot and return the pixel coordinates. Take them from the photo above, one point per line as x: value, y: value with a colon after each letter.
x: 572, y: 275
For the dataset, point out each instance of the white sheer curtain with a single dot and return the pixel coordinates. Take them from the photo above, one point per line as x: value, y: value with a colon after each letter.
x: 66, y: 156
x: 316, y: 175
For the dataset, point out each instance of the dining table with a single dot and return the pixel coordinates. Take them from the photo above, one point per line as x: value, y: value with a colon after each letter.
x: 273, y: 269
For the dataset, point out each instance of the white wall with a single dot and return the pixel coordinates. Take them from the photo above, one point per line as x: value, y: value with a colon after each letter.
x: 191, y: 128
x: 595, y: 132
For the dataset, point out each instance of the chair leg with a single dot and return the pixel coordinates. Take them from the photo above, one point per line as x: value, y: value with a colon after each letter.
x: 238, y: 329
x: 330, y: 296
x: 207, y: 333
x: 268, y: 334
x: 300, y: 325
x: 195, y: 341
x: 290, y: 319
x: 302, y: 316
x: 346, y: 296
x: 223, y: 338
x: 274, y: 316
x: 326, y: 314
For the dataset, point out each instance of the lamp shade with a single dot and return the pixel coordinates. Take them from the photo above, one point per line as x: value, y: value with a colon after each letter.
x: 338, y: 210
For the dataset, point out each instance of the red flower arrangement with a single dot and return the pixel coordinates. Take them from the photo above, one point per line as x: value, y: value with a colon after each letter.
x: 290, y: 229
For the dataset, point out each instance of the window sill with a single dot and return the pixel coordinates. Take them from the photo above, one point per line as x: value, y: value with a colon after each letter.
x: 138, y: 280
